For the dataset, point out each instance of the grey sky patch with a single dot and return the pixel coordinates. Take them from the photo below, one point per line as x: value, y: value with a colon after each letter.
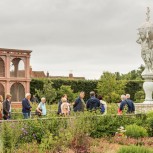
x: 85, y: 36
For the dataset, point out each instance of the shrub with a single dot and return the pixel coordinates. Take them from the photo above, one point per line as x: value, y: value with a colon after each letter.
x: 139, y: 96
x: 134, y: 149
x: 10, y: 136
x: 66, y: 90
x: 47, y: 91
x: 110, y: 87
x: 133, y: 87
x: 107, y: 125
x: 150, y: 123
x: 136, y: 131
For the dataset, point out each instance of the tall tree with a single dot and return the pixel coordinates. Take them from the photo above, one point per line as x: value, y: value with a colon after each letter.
x: 48, y: 91
x: 110, y: 88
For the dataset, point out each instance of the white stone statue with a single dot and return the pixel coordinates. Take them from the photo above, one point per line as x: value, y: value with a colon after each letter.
x: 146, y: 41
x: 146, y: 50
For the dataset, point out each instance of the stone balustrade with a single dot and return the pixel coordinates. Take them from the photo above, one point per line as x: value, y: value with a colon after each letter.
x: 143, y: 108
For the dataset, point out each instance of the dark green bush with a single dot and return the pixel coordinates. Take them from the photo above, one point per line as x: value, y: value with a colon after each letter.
x: 139, y: 96
x: 134, y: 149
x: 133, y: 87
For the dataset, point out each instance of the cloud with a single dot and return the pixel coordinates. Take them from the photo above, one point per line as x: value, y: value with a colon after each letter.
x: 85, y: 36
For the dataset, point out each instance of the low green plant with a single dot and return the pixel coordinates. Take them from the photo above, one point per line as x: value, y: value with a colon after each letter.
x: 135, y: 131
x: 9, y: 136
x: 134, y: 149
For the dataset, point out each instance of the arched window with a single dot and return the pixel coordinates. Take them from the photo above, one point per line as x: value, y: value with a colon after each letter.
x: 17, y: 68
x: 2, y: 68
x: 17, y: 92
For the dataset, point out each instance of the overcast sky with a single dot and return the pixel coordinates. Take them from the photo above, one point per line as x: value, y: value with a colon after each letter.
x: 86, y: 37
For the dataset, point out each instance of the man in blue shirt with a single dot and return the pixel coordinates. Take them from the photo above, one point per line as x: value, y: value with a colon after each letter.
x: 93, y: 103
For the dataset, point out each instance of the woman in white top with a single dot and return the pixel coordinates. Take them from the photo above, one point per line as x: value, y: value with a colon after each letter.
x: 42, y: 107
x: 103, y: 104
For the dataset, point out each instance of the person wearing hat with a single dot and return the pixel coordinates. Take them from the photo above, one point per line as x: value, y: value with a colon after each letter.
x: 7, y: 107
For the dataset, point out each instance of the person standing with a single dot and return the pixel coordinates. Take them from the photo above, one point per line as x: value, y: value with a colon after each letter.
x: 26, y: 107
x: 60, y: 103
x: 130, y: 104
x: 93, y: 103
x: 7, y: 107
x: 123, y: 103
x: 41, y: 109
x: 1, y: 107
x: 79, y: 104
x: 103, y: 105
x: 65, y: 107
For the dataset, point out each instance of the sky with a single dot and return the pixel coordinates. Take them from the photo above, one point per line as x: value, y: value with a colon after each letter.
x: 85, y: 37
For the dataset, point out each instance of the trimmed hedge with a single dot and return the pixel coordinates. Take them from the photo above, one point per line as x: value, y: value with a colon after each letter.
x: 76, y: 85
x: 131, y: 87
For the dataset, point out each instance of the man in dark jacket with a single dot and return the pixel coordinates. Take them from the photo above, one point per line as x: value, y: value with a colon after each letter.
x: 123, y: 102
x: 130, y: 104
x: 26, y: 108
x: 93, y: 103
x: 7, y: 107
x: 79, y: 103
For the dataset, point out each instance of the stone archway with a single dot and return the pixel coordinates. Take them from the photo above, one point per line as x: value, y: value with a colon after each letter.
x: 17, y: 92
x: 2, y: 68
x: 2, y: 91
x: 17, y: 68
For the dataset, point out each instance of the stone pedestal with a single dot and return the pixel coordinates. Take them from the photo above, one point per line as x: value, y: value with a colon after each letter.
x: 142, y: 108
x: 148, y: 86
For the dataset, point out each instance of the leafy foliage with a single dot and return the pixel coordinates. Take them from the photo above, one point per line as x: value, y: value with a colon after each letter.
x: 139, y: 96
x: 110, y: 87
x: 136, y: 131
x: 47, y: 91
x: 134, y: 149
x: 66, y: 90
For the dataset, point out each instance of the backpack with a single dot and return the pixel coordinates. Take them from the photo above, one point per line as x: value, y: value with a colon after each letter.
x: 65, y: 106
x: 102, y: 108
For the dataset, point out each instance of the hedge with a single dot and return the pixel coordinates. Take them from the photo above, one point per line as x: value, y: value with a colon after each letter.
x: 76, y: 85
x: 131, y: 87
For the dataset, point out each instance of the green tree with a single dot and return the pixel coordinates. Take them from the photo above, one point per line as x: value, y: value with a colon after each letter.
x: 47, y: 91
x: 110, y: 88
x: 66, y: 90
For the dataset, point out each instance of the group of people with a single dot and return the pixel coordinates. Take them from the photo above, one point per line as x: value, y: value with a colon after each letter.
x: 126, y: 104
x: 5, y: 107
x: 26, y: 107
x: 94, y: 103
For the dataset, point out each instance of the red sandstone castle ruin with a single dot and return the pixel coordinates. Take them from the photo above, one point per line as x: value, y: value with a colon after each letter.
x: 14, y: 73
